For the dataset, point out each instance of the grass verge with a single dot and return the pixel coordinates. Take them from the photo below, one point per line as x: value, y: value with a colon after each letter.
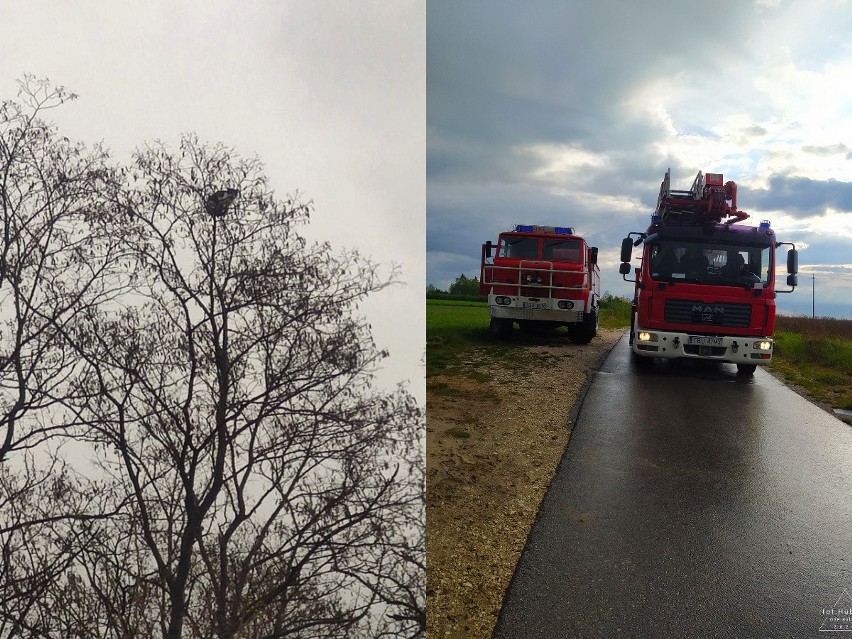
x: 816, y: 355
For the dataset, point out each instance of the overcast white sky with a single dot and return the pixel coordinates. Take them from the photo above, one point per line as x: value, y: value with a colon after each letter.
x: 329, y: 94
x: 569, y: 113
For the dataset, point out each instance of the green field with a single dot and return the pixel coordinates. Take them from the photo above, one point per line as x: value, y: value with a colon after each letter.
x: 812, y: 353
x: 816, y: 354
x: 453, y: 327
x: 454, y: 320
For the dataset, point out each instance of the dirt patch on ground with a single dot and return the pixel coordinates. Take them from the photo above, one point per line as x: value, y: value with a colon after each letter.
x: 492, y: 446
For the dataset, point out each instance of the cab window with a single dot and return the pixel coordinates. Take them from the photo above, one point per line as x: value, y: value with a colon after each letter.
x: 562, y: 251
x: 518, y: 247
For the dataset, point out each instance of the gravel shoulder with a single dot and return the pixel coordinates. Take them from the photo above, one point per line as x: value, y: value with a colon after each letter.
x: 493, y: 443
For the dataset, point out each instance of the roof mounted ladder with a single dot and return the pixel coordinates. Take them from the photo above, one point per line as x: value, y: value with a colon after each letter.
x: 706, y: 201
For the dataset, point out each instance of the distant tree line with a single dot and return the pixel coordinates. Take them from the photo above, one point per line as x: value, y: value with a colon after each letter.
x: 190, y: 441
x: 462, y: 287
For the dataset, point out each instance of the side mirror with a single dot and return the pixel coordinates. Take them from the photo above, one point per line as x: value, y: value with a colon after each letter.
x: 793, y: 280
x: 625, y: 268
x: 594, y: 255
x: 626, y: 249
x: 792, y: 263
x: 488, y: 248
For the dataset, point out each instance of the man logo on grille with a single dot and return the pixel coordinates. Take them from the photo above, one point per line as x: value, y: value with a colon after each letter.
x: 698, y: 308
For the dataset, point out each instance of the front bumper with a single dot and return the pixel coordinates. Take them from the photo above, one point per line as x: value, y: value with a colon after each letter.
x: 536, y: 309
x: 735, y: 349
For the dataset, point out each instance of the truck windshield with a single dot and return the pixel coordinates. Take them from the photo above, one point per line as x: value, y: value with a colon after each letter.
x: 518, y: 247
x: 562, y: 251
x: 710, y: 263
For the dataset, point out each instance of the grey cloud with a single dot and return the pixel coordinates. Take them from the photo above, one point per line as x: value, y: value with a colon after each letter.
x: 799, y: 195
x: 754, y: 131
x: 826, y: 150
x: 829, y: 251
x: 557, y: 71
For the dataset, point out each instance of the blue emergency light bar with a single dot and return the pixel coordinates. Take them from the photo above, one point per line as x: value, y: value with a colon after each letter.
x: 764, y: 225
x: 535, y: 228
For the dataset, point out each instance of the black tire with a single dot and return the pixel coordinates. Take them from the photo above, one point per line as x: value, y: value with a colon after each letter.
x: 746, y: 369
x: 584, y: 332
x: 500, y: 327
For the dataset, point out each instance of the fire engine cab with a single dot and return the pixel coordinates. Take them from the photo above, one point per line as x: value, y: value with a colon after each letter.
x: 541, y: 277
x: 705, y: 288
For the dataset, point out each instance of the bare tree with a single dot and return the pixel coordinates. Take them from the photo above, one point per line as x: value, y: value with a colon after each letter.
x: 274, y: 491
x: 55, y: 261
x: 190, y: 441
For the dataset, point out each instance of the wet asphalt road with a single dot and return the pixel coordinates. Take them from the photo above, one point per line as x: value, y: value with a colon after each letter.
x: 691, y: 503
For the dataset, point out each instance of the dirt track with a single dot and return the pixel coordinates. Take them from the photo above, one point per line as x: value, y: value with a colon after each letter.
x: 492, y: 449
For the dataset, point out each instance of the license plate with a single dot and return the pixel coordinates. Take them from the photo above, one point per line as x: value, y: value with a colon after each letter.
x: 534, y: 304
x: 704, y: 341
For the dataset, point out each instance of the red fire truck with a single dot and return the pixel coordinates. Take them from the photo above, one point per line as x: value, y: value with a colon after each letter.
x: 705, y: 288
x: 541, y: 277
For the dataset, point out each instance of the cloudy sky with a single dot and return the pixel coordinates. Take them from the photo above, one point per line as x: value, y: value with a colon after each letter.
x: 569, y: 113
x: 330, y: 95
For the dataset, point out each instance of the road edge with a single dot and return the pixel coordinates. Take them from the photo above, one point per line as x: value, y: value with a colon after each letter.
x: 573, y: 414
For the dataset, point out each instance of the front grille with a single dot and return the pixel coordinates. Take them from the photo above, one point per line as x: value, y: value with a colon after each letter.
x: 530, y: 291
x: 709, y: 313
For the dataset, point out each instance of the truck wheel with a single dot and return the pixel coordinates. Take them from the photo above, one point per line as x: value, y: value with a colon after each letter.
x: 746, y: 369
x: 584, y: 332
x: 500, y: 327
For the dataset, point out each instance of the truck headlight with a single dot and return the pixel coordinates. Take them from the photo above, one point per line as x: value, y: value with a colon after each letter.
x: 502, y: 300
x: 565, y: 304
x: 645, y: 336
x: 763, y: 345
